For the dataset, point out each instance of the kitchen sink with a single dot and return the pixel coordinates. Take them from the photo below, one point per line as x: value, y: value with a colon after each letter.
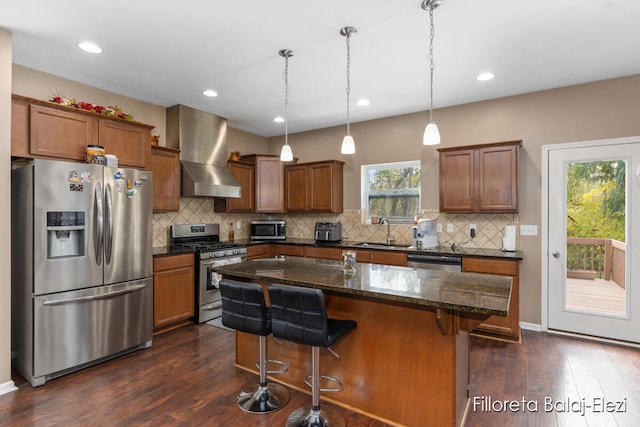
x: 380, y: 245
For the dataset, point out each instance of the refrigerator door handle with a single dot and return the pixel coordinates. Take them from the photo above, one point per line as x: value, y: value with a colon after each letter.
x: 98, y: 223
x: 129, y: 289
x: 108, y: 210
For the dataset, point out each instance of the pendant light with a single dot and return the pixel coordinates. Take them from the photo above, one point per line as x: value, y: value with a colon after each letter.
x: 431, y: 132
x: 286, y: 155
x: 348, y: 144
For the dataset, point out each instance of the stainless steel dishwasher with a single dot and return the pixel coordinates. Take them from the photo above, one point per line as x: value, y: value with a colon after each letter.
x: 434, y: 262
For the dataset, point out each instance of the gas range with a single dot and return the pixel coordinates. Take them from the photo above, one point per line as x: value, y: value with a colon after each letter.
x: 204, y: 240
x: 211, y: 253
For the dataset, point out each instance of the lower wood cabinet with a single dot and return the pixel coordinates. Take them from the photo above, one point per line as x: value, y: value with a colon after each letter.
x: 258, y: 251
x: 323, y: 253
x: 382, y: 257
x: 507, y: 328
x: 173, y: 291
x: 291, y: 250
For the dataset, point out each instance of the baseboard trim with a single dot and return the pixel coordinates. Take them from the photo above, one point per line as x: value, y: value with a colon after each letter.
x: 531, y: 326
x: 7, y: 387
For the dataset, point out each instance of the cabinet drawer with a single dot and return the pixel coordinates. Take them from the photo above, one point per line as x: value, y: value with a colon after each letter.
x: 324, y: 253
x: 490, y: 266
x: 172, y: 261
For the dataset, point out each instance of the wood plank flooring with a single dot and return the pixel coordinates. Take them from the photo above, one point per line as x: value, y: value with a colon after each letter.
x: 187, y: 378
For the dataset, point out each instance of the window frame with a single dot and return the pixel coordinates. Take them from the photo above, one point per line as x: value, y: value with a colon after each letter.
x: 364, y: 188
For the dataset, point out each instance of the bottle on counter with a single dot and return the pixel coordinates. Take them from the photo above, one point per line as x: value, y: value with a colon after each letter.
x: 231, y: 232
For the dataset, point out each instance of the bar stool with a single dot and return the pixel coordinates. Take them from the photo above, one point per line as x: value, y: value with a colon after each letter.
x: 244, y: 309
x: 300, y: 315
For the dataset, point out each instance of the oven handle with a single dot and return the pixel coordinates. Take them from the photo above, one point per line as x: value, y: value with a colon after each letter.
x: 211, y: 261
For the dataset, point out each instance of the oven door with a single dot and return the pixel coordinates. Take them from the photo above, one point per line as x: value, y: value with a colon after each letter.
x: 209, y: 299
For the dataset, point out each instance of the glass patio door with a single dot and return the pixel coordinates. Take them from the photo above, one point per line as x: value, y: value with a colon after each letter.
x: 593, y: 225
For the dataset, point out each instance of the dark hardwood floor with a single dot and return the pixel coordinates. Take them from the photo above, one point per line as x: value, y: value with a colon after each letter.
x: 187, y: 378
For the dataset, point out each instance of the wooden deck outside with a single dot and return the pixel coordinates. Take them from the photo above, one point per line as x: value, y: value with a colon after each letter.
x: 597, y: 295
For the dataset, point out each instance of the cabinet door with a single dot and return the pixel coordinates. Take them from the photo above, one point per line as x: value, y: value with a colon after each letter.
x: 60, y: 134
x: 291, y: 250
x: 389, y: 258
x: 269, y: 184
x: 325, y: 187
x: 258, y: 251
x: 296, y: 188
x: 129, y: 142
x: 497, y: 179
x: 173, y: 289
x: 165, y: 164
x: 496, y: 326
x: 243, y: 173
x: 457, y: 181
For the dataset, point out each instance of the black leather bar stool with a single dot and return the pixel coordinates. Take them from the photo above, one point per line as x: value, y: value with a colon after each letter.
x: 244, y: 309
x: 300, y: 315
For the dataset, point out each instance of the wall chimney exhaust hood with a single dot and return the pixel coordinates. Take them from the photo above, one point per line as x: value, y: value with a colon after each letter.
x: 202, y: 140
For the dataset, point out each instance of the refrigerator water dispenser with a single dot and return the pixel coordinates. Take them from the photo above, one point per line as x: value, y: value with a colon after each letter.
x: 65, y: 234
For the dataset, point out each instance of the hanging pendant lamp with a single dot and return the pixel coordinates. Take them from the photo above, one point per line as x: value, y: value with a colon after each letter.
x: 348, y: 144
x: 286, y: 155
x: 431, y: 132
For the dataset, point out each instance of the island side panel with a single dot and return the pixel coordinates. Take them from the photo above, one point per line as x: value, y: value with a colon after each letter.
x: 396, y: 365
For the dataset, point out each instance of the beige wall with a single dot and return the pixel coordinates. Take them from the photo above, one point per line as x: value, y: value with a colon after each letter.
x: 5, y: 212
x: 596, y: 110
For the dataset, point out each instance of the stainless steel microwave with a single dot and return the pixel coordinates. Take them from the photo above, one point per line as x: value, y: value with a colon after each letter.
x: 268, y: 230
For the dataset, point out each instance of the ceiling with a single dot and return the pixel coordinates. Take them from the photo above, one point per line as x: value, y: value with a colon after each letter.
x: 167, y: 53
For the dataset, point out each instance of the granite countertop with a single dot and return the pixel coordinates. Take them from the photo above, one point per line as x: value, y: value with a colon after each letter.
x: 467, y: 292
x: 354, y: 244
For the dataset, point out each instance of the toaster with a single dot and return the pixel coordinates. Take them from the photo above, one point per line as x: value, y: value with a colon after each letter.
x: 330, y: 231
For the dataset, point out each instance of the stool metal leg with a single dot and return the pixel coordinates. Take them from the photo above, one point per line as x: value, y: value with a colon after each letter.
x: 315, y: 416
x: 268, y: 397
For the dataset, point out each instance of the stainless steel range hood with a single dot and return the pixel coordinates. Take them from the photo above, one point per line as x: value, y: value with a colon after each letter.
x: 202, y: 140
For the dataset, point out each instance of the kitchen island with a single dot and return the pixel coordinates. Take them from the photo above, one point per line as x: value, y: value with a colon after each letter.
x: 407, y: 362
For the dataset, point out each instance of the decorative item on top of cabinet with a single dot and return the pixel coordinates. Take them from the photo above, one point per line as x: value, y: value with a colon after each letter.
x: 505, y: 328
x: 165, y: 165
x: 479, y: 178
x: 173, y: 291
x: 314, y: 187
x: 41, y: 129
x: 244, y: 174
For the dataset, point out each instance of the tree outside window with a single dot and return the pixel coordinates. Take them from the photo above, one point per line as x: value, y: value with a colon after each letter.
x: 391, y: 190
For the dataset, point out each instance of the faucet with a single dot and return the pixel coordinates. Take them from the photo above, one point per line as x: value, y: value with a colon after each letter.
x: 389, y: 238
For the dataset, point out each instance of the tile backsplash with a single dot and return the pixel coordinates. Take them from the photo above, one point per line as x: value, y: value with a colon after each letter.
x: 193, y: 210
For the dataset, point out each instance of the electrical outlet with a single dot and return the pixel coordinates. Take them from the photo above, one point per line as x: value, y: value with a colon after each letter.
x: 238, y: 225
x: 528, y: 230
x: 439, y: 228
x: 472, y: 230
x: 449, y: 227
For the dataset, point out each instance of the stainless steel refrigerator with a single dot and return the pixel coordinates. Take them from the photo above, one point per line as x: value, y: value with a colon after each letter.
x: 82, y: 267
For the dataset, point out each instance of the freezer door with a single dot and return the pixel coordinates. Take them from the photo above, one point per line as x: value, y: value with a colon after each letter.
x: 80, y: 327
x: 66, y: 200
x: 128, y: 217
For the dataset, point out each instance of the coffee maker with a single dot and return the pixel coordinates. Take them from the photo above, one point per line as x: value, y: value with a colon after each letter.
x: 425, y: 232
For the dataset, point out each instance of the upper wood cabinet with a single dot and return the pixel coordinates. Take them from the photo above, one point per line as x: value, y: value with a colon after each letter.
x: 479, y: 178
x: 314, y: 187
x: 165, y: 164
x: 244, y: 174
x: 268, y: 182
x: 41, y: 129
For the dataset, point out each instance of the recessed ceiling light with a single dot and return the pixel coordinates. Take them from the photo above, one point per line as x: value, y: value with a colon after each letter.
x: 278, y: 119
x: 483, y: 77
x: 89, y: 47
x: 210, y: 92
x: 363, y: 102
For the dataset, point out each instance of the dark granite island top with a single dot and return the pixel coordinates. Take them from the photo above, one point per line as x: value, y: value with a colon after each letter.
x: 407, y: 361
x: 467, y: 292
